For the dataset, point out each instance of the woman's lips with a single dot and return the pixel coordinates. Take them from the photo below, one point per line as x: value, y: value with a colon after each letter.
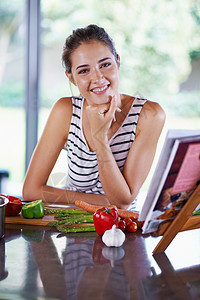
x: 100, y: 90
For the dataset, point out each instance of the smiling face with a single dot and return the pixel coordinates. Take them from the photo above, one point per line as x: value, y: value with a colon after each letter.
x: 95, y: 71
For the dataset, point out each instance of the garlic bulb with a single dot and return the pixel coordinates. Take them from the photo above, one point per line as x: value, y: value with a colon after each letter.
x: 113, y: 237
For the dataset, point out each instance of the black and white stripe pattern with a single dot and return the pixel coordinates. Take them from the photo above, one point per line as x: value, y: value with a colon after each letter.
x: 83, y: 175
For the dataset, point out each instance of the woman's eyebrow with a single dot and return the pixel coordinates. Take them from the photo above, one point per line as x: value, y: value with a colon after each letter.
x: 82, y: 66
x: 101, y: 60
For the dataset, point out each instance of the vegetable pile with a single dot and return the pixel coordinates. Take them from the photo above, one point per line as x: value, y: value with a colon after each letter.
x: 93, y: 218
x: 90, y: 217
x: 127, y: 220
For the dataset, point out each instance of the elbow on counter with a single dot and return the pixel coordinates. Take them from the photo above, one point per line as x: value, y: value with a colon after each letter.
x: 125, y: 202
x: 122, y: 206
x: 29, y: 193
x: 26, y: 194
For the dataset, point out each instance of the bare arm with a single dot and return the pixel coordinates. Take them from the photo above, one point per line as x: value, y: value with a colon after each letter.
x: 122, y: 188
x: 45, y: 156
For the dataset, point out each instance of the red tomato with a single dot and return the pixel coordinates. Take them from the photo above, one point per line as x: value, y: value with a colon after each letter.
x: 132, y: 226
x: 139, y: 223
x: 122, y: 225
x: 127, y: 221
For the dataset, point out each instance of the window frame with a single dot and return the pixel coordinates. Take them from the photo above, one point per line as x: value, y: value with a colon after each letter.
x: 33, y: 13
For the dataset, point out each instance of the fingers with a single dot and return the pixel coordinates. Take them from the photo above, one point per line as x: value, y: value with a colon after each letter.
x: 113, y: 108
x: 100, y: 109
x: 106, y: 110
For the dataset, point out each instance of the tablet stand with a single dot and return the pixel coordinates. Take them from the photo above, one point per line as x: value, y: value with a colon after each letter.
x: 183, y: 221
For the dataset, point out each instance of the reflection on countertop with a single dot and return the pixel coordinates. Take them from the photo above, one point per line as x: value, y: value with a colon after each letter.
x: 36, y: 263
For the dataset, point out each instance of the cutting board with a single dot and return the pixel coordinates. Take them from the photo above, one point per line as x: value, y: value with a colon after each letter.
x: 20, y: 220
x: 38, y: 222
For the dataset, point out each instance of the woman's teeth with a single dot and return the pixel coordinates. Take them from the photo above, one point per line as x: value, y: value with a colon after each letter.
x: 100, y: 89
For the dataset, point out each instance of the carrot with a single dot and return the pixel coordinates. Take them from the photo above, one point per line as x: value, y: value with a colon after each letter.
x: 90, y: 207
x: 127, y: 214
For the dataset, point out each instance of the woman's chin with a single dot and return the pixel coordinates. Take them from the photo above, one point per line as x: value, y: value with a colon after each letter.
x: 98, y: 99
x: 103, y: 99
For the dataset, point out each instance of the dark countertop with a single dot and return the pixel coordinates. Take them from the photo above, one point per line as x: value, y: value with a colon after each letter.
x: 36, y: 263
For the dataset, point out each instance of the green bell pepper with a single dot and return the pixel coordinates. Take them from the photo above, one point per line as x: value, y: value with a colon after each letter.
x: 34, y: 209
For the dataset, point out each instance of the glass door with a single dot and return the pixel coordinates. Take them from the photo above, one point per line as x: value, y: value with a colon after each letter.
x: 12, y: 90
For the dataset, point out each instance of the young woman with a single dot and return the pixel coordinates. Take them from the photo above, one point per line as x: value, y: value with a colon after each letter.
x: 110, y: 138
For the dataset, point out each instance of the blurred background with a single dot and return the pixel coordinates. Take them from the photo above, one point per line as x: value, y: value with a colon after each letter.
x: 159, y: 46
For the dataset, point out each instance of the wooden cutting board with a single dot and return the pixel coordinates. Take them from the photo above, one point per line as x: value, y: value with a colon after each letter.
x: 20, y: 220
x: 38, y: 222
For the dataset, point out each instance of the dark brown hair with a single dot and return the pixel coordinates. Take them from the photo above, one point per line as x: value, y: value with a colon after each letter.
x: 81, y: 35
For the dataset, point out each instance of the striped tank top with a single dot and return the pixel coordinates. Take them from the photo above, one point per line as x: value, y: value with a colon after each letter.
x: 83, y: 175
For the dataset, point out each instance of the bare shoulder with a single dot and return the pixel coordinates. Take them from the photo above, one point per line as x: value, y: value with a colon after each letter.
x: 62, y: 109
x: 60, y: 116
x: 63, y: 106
x: 152, y: 111
x: 151, y: 119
